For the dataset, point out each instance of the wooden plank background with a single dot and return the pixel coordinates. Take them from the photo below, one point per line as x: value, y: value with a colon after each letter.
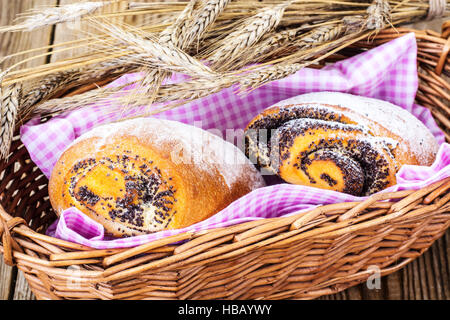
x: 427, y: 277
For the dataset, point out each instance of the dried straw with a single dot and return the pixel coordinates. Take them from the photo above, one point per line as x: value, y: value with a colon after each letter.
x: 230, y: 34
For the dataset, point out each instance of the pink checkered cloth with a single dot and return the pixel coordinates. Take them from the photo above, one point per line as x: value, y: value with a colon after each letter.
x: 388, y: 72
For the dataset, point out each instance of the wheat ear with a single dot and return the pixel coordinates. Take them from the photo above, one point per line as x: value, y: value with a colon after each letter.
x: 148, y: 52
x: 314, y: 38
x: 202, y: 20
x: 38, y: 18
x: 197, y: 88
x: 179, y: 35
x: 271, y: 42
x: 246, y: 35
x: 156, y: 55
x: 176, y: 32
x: 9, y: 106
x: 46, y: 88
x: 188, y: 31
x: 379, y: 15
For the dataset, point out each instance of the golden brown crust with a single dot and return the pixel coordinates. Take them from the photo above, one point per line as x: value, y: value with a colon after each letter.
x: 134, y: 178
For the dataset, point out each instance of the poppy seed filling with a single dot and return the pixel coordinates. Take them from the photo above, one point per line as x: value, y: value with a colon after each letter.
x: 144, y: 192
x: 364, y: 168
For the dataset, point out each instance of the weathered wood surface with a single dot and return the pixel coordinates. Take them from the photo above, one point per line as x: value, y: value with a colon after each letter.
x: 428, y: 277
x: 12, y: 282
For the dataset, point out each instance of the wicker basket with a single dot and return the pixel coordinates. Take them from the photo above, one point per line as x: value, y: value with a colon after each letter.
x: 324, y: 251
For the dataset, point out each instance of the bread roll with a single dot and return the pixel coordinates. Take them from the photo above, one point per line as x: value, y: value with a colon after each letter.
x: 145, y: 175
x: 338, y: 141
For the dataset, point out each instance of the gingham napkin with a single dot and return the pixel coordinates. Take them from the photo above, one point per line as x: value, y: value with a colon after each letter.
x: 388, y: 72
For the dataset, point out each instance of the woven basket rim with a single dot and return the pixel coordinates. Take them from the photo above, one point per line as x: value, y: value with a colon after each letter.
x: 272, y: 231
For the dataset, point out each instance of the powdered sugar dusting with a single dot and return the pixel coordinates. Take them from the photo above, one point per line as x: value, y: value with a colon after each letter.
x: 393, y: 118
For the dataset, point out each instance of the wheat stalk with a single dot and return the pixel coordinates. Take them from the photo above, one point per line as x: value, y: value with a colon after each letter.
x: 153, y: 53
x: 208, y: 23
x: 38, y: 18
x: 319, y: 10
x: 171, y: 36
x: 320, y: 38
x: 48, y: 87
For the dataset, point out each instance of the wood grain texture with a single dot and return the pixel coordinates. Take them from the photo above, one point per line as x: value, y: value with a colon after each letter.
x: 12, y: 281
x: 428, y: 277
x: 78, y: 30
x: 73, y: 31
x: 21, y: 289
x: 6, y: 277
x: 18, y: 41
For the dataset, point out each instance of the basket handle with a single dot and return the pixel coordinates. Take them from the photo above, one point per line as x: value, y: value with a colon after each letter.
x: 8, y: 241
